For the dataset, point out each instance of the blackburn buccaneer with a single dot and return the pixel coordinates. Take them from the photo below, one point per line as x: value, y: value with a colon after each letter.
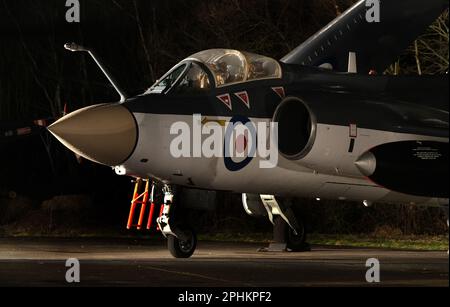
x: 323, y: 122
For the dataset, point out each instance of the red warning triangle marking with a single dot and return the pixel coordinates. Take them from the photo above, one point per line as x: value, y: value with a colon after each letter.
x: 243, y: 96
x: 280, y: 91
x: 226, y: 99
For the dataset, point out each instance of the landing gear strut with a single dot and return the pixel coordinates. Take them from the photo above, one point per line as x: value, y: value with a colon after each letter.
x: 285, y: 239
x: 181, y: 240
x: 289, y: 231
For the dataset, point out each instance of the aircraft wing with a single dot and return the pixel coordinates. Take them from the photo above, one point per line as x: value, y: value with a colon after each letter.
x: 377, y: 45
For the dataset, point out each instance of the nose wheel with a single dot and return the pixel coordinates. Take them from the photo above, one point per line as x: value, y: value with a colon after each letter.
x: 181, y: 239
x: 182, y: 248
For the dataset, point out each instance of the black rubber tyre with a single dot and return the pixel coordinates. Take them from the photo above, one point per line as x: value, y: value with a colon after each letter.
x: 297, y: 242
x: 182, y: 249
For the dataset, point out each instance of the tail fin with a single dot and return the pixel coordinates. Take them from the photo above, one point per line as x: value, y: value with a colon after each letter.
x: 376, y: 45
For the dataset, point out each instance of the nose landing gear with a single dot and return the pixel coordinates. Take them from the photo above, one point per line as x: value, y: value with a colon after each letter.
x: 181, y: 240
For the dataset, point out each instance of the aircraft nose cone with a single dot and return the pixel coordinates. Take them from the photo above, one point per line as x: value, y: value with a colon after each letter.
x: 105, y: 134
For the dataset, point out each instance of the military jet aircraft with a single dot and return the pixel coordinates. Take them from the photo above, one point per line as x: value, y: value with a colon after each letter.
x: 323, y: 122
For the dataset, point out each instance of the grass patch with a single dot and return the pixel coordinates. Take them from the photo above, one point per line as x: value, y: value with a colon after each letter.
x: 425, y: 243
x: 376, y: 240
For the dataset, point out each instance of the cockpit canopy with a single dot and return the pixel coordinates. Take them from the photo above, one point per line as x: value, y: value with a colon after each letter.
x: 217, y: 68
x: 232, y: 66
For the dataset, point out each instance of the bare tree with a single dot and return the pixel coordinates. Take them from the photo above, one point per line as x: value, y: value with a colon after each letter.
x: 429, y: 54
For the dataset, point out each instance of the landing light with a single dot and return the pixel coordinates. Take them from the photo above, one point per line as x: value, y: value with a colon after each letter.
x: 367, y: 203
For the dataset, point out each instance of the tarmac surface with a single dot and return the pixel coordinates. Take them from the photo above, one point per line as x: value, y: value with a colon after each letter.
x: 126, y: 262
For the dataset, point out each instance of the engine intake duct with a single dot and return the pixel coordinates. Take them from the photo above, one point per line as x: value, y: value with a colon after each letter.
x: 296, y: 128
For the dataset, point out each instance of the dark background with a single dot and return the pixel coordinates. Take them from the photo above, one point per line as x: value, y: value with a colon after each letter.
x: 139, y: 40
